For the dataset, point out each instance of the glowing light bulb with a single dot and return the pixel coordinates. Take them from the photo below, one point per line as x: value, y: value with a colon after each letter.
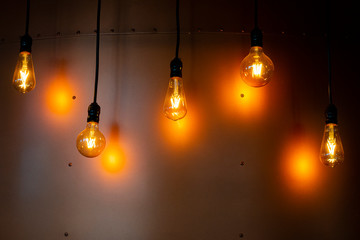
x: 256, y: 68
x: 91, y: 142
x: 175, y: 102
x: 331, y: 151
x: 24, y: 75
x: 175, y: 107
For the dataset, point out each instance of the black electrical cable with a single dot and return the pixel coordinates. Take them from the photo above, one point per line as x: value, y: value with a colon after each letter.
x: 256, y: 34
x: 27, y: 17
x: 176, y: 64
x: 328, y: 44
x: 256, y: 13
x: 331, y: 110
x: 177, y: 29
x: 97, y: 51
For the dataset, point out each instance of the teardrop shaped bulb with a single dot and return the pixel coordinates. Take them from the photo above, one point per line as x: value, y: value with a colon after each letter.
x: 256, y: 68
x: 91, y: 142
x: 331, y: 151
x: 175, y: 107
x: 24, y: 75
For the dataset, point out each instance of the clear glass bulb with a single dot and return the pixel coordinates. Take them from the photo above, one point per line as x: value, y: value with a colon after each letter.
x: 24, y: 75
x: 331, y: 152
x: 175, y: 102
x: 91, y: 142
x: 256, y: 68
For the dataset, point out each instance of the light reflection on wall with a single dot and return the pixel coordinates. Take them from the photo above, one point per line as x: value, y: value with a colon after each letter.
x: 59, y: 96
x: 113, y: 159
x: 238, y: 100
x: 300, y: 165
x: 181, y: 133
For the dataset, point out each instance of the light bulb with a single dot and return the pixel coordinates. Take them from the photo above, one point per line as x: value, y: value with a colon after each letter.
x: 24, y: 75
x: 256, y: 68
x: 91, y: 142
x: 331, y: 151
x: 175, y: 102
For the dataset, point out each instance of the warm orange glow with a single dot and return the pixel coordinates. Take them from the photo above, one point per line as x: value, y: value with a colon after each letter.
x: 240, y: 101
x: 113, y: 158
x: 59, y: 97
x: 300, y: 165
x: 181, y: 133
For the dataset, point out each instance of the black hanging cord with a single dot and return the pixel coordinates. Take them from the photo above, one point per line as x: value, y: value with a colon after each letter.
x: 256, y: 34
x: 97, y: 50
x: 177, y: 29
x: 176, y: 64
x: 26, y: 40
x: 331, y: 110
x: 328, y: 40
x: 256, y: 13
x: 94, y: 108
x: 27, y: 17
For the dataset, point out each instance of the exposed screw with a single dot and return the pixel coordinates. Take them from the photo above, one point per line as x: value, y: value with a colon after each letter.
x: 242, y: 163
x: 241, y: 235
x: 66, y: 234
x: 70, y: 164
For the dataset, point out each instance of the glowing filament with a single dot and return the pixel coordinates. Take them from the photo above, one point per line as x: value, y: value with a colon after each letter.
x: 331, y: 145
x: 90, y: 142
x: 24, y: 75
x: 175, y: 101
x: 257, y: 67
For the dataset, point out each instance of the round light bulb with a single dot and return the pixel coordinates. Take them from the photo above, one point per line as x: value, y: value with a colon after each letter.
x: 175, y: 102
x: 24, y: 75
x: 91, y: 142
x: 331, y: 151
x: 256, y: 68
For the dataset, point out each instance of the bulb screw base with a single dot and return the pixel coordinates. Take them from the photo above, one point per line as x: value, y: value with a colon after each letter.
x: 93, y: 112
x: 176, y: 68
x: 256, y: 37
x: 331, y: 114
x: 25, y: 43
